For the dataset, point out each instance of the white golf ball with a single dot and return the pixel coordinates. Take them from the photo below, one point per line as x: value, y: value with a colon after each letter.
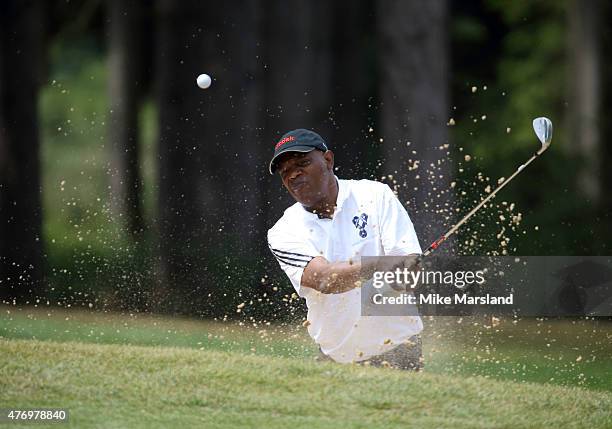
x: 203, y: 81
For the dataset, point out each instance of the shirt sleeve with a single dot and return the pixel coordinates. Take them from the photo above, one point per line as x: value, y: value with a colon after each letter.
x: 293, y: 255
x: 396, y: 228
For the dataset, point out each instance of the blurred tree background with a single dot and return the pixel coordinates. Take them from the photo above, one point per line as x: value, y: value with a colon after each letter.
x: 124, y: 186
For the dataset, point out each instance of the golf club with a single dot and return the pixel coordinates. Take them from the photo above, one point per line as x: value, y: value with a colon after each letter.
x: 543, y: 128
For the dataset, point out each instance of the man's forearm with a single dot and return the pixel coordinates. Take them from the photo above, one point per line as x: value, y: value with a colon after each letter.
x: 338, y: 277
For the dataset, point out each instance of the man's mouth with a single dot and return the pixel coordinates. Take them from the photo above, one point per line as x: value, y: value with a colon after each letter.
x: 296, y: 187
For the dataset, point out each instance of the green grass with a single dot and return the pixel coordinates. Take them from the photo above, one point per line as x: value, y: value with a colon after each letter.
x: 158, y: 387
x: 142, y: 329
x: 564, y: 352
x: 230, y: 374
x: 560, y: 352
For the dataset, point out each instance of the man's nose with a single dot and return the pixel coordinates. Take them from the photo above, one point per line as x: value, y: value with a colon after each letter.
x: 295, y: 173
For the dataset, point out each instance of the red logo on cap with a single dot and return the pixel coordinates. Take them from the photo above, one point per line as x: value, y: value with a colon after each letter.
x: 283, y: 141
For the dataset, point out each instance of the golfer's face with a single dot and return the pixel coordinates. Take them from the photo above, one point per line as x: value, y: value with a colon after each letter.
x: 303, y: 175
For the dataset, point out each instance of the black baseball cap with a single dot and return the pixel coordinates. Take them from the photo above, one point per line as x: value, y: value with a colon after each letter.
x: 299, y: 140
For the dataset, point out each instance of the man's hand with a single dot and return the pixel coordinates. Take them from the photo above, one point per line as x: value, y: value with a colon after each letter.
x: 413, y: 262
x: 392, y: 263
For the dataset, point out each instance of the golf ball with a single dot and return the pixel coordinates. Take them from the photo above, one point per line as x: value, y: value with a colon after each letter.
x: 203, y: 81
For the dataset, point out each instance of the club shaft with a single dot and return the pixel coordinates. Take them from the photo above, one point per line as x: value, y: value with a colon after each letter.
x: 455, y: 227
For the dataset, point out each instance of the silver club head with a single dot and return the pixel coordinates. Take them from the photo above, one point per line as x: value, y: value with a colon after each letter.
x: 544, y: 129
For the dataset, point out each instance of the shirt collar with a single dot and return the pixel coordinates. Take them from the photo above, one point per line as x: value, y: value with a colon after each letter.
x: 343, y: 193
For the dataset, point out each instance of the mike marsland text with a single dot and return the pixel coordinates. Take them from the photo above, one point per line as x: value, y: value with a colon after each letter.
x: 437, y: 299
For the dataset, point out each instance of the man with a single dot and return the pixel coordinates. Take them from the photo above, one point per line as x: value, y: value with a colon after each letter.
x: 318, y: 242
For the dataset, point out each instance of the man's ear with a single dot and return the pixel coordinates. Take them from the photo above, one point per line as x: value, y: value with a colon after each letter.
x: 329, y: 159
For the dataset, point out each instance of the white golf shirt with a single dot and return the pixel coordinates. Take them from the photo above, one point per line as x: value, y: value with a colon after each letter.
x: 369, y: 221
